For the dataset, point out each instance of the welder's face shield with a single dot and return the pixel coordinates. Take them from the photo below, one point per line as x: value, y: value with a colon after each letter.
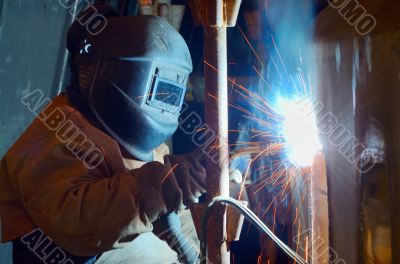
x: 142, y: 68
x: 139, y: 102
x: 149, y: 84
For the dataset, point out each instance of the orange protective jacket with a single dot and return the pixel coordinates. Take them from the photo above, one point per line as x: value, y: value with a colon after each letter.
x: 86, y: 211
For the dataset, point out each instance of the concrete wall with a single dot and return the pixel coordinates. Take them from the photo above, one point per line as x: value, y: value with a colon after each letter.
x: 358, y: 83
x: 32, y: 52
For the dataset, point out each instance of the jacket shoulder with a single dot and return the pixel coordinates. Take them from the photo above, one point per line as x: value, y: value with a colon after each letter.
x: 60, y: 128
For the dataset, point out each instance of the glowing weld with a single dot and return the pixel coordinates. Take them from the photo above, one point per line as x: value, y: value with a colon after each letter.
x: 300, y: 131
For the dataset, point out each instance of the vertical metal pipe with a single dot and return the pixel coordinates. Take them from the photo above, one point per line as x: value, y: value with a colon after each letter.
x: 216, y: 116
x: 216, y: 16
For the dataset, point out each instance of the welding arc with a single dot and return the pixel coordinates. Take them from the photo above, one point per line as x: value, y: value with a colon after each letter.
x: 249, y: 215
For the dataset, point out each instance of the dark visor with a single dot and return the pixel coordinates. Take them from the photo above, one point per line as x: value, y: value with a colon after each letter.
x: 167, y: 95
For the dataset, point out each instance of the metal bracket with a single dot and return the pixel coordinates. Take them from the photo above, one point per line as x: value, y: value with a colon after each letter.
x: 163, y: 8
x: 204, y: 14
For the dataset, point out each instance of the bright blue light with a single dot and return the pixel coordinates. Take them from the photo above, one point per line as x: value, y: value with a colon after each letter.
x: 299, y: 130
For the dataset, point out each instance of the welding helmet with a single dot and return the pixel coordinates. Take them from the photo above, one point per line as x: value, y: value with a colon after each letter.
x: 135, y: 74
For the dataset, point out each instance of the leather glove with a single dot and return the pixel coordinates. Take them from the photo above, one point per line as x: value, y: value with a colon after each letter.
x: 190, y: 174
x: 158, y: 192
x: 238, y: 167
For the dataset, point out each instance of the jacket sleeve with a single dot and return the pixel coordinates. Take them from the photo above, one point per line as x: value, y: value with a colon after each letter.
x: 84, y: 211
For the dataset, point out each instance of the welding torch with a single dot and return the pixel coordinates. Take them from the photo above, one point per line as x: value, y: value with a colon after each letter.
x: 170, y: 230
x: 246, y: 212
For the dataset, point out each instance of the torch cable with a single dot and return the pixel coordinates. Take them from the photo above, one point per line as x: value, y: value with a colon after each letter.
x: 250, y: 216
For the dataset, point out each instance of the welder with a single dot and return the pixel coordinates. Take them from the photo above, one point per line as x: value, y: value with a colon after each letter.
x: 59, y: 202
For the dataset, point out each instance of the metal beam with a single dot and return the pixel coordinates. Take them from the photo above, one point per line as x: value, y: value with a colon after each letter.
x: 215, y: 16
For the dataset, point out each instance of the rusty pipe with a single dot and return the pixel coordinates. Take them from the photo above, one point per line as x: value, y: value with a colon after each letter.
x: 216, y: 16
x: 216, y: 117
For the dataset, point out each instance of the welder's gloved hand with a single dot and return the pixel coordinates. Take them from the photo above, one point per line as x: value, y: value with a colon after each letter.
x: 236, y: 176
x: 190, y: 174
x: 238, y: 167
x: 159, y: 192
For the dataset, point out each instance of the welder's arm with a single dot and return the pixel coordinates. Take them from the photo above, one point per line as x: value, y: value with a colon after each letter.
x: 87, y: 212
